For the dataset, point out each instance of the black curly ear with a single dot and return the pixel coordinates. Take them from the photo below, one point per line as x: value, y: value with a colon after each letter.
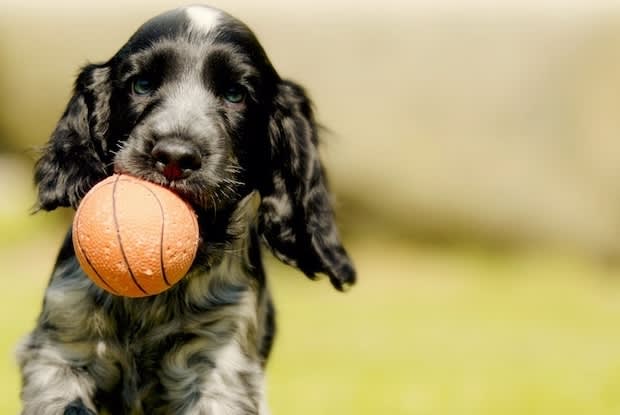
x: 296, y: 219
x: 72, y: 161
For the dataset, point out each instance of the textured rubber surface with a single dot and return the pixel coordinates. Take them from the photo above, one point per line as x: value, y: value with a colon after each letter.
x: 134, y: 238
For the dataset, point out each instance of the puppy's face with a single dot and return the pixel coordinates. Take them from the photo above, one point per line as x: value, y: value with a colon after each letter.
x: 192, y: 102
x: 191, y: 91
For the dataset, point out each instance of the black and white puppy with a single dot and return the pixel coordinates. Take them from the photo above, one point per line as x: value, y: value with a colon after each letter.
x: 193, y: 103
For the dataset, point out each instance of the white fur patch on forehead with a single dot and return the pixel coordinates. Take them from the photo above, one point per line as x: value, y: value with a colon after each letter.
x: 203, y: 18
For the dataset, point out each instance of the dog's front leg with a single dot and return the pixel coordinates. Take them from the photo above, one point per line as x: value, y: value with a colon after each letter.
x: 51, y: 384
x: 63, y: 361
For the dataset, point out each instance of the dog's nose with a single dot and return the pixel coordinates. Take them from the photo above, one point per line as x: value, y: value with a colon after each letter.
x: 176, y: 158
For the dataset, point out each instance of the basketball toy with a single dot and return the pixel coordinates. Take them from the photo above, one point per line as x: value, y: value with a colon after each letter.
x: 134, y: 238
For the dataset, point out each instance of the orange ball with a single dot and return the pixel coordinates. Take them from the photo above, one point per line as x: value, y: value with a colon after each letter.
x: 134, y: 238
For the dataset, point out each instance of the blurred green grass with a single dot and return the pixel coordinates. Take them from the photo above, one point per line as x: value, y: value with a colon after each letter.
x: 426, y: 331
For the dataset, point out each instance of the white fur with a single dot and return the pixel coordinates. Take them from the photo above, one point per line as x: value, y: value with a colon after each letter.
x: 52, y: 383
x: 203, y: 18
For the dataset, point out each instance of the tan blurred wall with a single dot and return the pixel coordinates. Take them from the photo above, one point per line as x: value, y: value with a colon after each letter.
x: 499, y: 124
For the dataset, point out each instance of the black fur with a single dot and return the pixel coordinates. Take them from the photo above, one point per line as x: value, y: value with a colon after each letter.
x: 191, y: 81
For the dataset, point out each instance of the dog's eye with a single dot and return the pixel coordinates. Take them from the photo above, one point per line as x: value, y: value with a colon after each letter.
x: 235, y: 94
x: 142, y: 86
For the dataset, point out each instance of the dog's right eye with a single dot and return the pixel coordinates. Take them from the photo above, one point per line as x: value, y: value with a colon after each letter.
x: 235, y: 94
x: 142, y: 86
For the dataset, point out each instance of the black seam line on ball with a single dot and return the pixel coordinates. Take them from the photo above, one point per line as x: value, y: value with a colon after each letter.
x: 85, y: 255
x: 118, y: 236
x: 161, y: 241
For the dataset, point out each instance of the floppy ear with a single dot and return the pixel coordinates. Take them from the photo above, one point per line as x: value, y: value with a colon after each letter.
x: 73, y: 159
x: 296, y: 219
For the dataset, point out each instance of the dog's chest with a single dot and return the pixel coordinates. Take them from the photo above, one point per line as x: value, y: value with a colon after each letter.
x: 168, y: 359
x: 152, y: 331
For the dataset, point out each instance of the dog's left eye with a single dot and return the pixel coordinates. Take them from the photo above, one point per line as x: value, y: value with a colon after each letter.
x: 235, y: 94
x: 142, y: 86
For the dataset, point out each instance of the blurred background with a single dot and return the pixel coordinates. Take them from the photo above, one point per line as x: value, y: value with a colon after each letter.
x: 474, y: 151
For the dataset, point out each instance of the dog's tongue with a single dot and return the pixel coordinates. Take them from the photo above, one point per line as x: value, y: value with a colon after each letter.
x: 172, y: 171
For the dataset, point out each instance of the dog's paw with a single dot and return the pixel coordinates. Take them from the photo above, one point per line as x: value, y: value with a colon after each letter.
x: 77, y: 408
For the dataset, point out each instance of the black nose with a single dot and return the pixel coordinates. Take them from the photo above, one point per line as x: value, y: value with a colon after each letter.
x: 176, y: 158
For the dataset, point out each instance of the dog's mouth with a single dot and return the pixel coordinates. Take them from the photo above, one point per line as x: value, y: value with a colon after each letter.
x: 171, y: 178
x: 210, y: 199
x: 216, y: 183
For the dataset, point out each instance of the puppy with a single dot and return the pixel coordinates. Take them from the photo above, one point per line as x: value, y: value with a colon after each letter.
x: 190, y: 102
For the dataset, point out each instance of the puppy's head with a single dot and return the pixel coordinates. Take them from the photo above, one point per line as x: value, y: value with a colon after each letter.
x: 192, y: 102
